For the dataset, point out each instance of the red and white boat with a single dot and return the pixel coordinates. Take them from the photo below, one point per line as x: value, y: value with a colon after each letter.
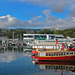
x: 64, y: 54
x: 56, y: 55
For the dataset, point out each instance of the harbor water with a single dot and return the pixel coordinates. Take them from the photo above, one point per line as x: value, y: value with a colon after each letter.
x: 14, y: 61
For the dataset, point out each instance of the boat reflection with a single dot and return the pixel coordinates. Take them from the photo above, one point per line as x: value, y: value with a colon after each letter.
x: 57, y: 66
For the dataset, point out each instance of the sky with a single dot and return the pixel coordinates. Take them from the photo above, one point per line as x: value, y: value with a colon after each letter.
x: 37, y: 14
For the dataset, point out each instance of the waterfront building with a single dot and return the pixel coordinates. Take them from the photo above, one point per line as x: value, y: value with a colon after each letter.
x: 32, y: 37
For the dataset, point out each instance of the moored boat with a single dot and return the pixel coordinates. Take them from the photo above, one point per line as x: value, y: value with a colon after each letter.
x: 57, y: 47
x: 56, y: 55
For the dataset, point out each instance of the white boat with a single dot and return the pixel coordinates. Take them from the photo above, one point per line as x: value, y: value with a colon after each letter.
x: 46, y: 41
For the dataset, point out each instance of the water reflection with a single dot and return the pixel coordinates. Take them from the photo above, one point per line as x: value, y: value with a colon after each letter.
x: 63, y: 67
x: 12, y: 53
x: 15, y: 61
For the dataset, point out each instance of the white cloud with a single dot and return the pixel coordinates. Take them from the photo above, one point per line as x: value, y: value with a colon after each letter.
x: 53, y: 22
x: 47, y: 12
x: 9, y: 21
x: 37, y: 22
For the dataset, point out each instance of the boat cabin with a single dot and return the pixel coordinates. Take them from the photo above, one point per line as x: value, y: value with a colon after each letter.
x: 56, y: 53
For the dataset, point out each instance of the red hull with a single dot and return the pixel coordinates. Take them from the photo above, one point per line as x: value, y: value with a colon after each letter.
x: 60, y: 58
x: 34, y: 57
x: 34, y: 52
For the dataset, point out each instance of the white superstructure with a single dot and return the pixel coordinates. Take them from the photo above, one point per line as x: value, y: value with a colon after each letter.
x: 46, y: 41
x: 32, y: 37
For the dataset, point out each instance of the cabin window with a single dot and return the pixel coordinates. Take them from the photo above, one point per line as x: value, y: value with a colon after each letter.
x: 56, y: 54
x: 74, y: 52
x: 49, y: 54
x: 52, y: 54
x: 67, y: 53
x: 46, y: 54
x: 61, y: 53
x: 64, y: 53
x: 71, y: 52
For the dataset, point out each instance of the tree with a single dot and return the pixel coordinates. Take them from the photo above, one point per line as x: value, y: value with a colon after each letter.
x: 45, y: 31
x: 17, y: 33
x: 59, y: 32
x: 69, y: 33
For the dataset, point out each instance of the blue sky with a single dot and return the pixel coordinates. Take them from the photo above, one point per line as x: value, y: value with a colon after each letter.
x: 23, y: 10
x: 30, y: 11
x: 20, y: 10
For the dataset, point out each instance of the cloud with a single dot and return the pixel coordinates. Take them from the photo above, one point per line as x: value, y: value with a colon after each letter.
x: 59, y: 6
x: 51, y: 21
x: 12, y: 22
x: 37, y: 22
x: 47, y: 12
x: 9, y: 21
x: 61, y: 23
x: 72, y: 10
x: 56, y: 5
x: 37, y: 18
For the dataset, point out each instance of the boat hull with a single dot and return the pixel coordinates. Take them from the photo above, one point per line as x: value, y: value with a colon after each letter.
x: 60, y: 58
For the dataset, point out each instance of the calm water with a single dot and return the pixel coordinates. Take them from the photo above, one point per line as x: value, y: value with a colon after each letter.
x: 14, y: 61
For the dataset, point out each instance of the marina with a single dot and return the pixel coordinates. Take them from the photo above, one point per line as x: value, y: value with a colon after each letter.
x: 15, y: 62
x: 37, y: 37
x: 56, y: 55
